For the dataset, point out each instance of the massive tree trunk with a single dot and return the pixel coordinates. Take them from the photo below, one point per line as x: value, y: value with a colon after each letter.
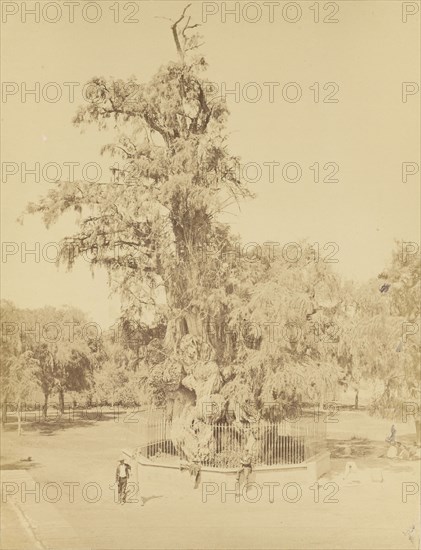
x: 196, y: 381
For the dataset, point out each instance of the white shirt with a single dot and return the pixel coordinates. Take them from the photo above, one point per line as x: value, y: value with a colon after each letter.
x: 122, y: 470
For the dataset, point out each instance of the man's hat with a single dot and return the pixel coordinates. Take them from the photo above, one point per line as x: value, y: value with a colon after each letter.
x: 121, y: 459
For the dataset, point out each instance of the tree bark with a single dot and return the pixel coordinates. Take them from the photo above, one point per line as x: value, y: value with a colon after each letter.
x: 19, y: 415
x: 45, y: 406
x: 3, y: 413
x: 418, y: 431
x: 61, y: 400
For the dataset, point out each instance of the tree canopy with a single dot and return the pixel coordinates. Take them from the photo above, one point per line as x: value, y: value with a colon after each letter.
x: 271, y: 330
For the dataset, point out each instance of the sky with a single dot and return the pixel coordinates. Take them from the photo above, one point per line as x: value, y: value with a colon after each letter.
x: 365, y: 135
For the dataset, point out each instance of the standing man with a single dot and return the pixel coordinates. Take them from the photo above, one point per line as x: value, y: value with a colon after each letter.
x: 392, y: 437
x: 122, y: 475
x: 195, y: 470
x: 244, y: 471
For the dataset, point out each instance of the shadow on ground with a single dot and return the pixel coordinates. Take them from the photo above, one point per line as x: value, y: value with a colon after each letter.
x: 52, y: 426
x: 147, y: 499
x: 20, y: 465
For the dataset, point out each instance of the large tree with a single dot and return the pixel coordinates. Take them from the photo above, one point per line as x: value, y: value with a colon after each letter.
x: 161, y: 211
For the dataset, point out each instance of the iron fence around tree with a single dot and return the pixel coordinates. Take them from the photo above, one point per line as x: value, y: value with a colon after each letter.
x: 269, y: 443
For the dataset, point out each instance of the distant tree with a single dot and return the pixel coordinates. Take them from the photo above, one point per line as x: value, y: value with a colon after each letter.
x: 45, y: 373
x: 381, y: 342
x: 403, y: 363
x: 110, y: 378
x: 121, y: 378
x: 10, y: 350
x: 21, y: 381
x: 401, y: 280
x: 56, y: 340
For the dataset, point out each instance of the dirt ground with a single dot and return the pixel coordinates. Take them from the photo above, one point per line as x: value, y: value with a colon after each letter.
x: 64, y: 497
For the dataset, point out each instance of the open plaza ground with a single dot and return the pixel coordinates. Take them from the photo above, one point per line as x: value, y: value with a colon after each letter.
x: 65, y: 497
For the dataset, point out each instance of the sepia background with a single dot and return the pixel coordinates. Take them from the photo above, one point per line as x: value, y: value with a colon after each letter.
x: 68, y: 412
x: 369, y: 132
